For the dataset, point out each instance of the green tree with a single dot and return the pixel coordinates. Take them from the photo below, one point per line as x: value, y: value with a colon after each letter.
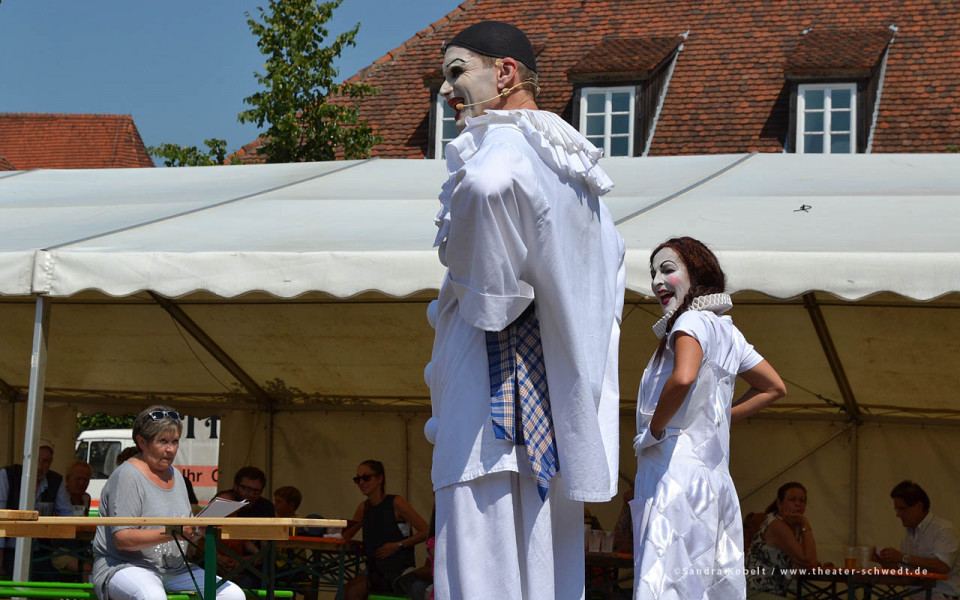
x: 300, y: 83
x: 191, y: 156
x: 104, y: 421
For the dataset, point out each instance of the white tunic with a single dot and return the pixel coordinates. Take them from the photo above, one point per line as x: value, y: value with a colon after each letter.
x: 522, y: 219
x: 688, y: 534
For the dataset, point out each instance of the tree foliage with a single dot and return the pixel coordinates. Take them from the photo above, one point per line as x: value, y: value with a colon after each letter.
x: 104, y: 421
x: 299, y: 82
x: 191, y: 156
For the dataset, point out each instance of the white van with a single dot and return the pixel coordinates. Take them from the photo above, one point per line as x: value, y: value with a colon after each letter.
x: 197, y: 457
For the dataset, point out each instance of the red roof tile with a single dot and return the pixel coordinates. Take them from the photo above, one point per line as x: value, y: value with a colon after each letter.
x: 628, y: 56
x: 728, y: 92
x: 6, y: 165
x: 837, y: 52
x: 71, y: 141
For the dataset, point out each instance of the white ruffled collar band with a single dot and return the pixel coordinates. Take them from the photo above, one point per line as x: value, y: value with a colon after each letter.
x: 715, y: 303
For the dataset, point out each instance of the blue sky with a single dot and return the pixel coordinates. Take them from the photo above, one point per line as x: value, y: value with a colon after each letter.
x: 180, y: 67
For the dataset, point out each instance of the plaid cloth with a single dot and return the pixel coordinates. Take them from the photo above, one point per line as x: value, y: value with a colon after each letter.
x: 518, y: 385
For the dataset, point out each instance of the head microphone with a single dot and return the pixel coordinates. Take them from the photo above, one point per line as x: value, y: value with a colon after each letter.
x: 460, y: 106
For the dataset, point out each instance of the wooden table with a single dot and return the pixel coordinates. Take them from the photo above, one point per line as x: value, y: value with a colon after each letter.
x: 824, y: 583
x: 29, y: 524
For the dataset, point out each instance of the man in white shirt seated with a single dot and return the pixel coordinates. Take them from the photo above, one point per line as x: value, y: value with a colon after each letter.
x: 930, y: 543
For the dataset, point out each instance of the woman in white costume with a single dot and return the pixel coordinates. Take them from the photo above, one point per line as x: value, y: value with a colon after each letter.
x: 688, y: 536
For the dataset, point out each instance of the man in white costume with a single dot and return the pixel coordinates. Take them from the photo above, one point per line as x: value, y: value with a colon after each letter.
x: 523, y: 377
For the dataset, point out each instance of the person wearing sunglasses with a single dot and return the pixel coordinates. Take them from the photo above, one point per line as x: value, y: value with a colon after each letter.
x: 143, y: 563
x: 388, y: 549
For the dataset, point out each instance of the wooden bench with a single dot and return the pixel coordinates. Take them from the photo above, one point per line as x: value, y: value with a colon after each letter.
x: 84, y: 591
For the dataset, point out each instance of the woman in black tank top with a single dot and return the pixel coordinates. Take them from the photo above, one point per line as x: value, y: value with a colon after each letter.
x: 389, y: 551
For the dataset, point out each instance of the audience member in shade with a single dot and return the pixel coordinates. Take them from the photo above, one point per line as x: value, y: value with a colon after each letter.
x: 929, y: 542
x: 784, y: 541
x: 48, y: 484
x: 389, y: 551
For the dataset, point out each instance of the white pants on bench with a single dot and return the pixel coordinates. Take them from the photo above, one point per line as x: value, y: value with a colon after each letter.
x: 137, y: 583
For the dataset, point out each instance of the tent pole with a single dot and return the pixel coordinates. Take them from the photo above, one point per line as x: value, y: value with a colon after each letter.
x: 270, y: 439
x: 854, y: 480
x: 833, y: 357
x: 406, y: 455
x: 31, y: 441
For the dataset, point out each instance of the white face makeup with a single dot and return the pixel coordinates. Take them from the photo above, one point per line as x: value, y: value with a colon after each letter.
x: 467, y: 80
x: 671, y: 282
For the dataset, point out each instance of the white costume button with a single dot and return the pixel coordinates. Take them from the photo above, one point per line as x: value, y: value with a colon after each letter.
x: 430, y: 430
x: 426, y: 373
x: 432, y: 313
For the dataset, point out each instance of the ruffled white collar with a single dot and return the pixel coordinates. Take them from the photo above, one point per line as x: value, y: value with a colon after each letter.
x: 715, y: 303
x: 555, y: 141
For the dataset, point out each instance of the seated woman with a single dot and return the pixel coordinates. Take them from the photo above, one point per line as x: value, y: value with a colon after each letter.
x: 784, y: 541
x: 143, y: 563
x: 72, y: 556
x: 389, y: 552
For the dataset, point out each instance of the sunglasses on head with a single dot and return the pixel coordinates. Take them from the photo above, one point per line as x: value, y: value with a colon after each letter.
x: 160, y: 414
x: 365, y: 478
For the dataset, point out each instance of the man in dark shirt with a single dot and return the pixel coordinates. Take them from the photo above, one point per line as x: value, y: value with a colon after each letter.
x: 248, y: 484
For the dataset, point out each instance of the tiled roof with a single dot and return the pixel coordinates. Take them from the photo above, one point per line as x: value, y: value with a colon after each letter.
x: 69, y: 141
x: 638, y: 55
x: 728, y: 89
x: 835, y: 52
x: 6, y: 165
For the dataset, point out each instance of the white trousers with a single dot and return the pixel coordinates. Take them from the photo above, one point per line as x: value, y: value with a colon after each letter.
x: 497, y: 539
x: 137, y: 583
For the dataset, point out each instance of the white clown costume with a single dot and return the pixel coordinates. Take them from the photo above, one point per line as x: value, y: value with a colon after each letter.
x: 522, y: 223
x: 688, y: 534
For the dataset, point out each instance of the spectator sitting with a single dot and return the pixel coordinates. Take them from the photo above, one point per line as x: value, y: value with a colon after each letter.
x: 929, y: 543
x: 48, y: 484
x: 73, y: 494
x: 286, y: 501
x: 388, y: 550
x: 133, y: 562
x: 785, y: 540
x: 248, y: 484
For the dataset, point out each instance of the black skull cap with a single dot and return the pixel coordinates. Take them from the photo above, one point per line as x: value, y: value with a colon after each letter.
x: 497, y: 39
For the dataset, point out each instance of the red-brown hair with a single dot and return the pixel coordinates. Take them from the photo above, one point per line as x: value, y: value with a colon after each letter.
x: 703, y: 268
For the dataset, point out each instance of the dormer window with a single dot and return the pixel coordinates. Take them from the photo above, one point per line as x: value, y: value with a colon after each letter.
x: 835, y: 80
x: 827, y: 118
x: 607, y: 118
x: 619, y: 87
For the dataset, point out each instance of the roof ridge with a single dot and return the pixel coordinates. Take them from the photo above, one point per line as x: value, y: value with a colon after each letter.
x: 49, y: 114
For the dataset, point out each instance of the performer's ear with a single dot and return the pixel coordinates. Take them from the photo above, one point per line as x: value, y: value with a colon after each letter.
x: 507, y: 74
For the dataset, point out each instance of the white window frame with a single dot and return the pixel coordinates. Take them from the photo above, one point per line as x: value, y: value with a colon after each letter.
x: 608, y: 113
x: 828, y: 112
x: 440, y: 105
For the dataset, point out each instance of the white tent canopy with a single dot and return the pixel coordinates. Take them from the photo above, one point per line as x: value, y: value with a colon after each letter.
x: 306, y: 284
x: 347, y: 227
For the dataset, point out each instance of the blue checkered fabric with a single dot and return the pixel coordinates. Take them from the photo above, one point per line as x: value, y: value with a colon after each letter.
x: 518, y: 387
